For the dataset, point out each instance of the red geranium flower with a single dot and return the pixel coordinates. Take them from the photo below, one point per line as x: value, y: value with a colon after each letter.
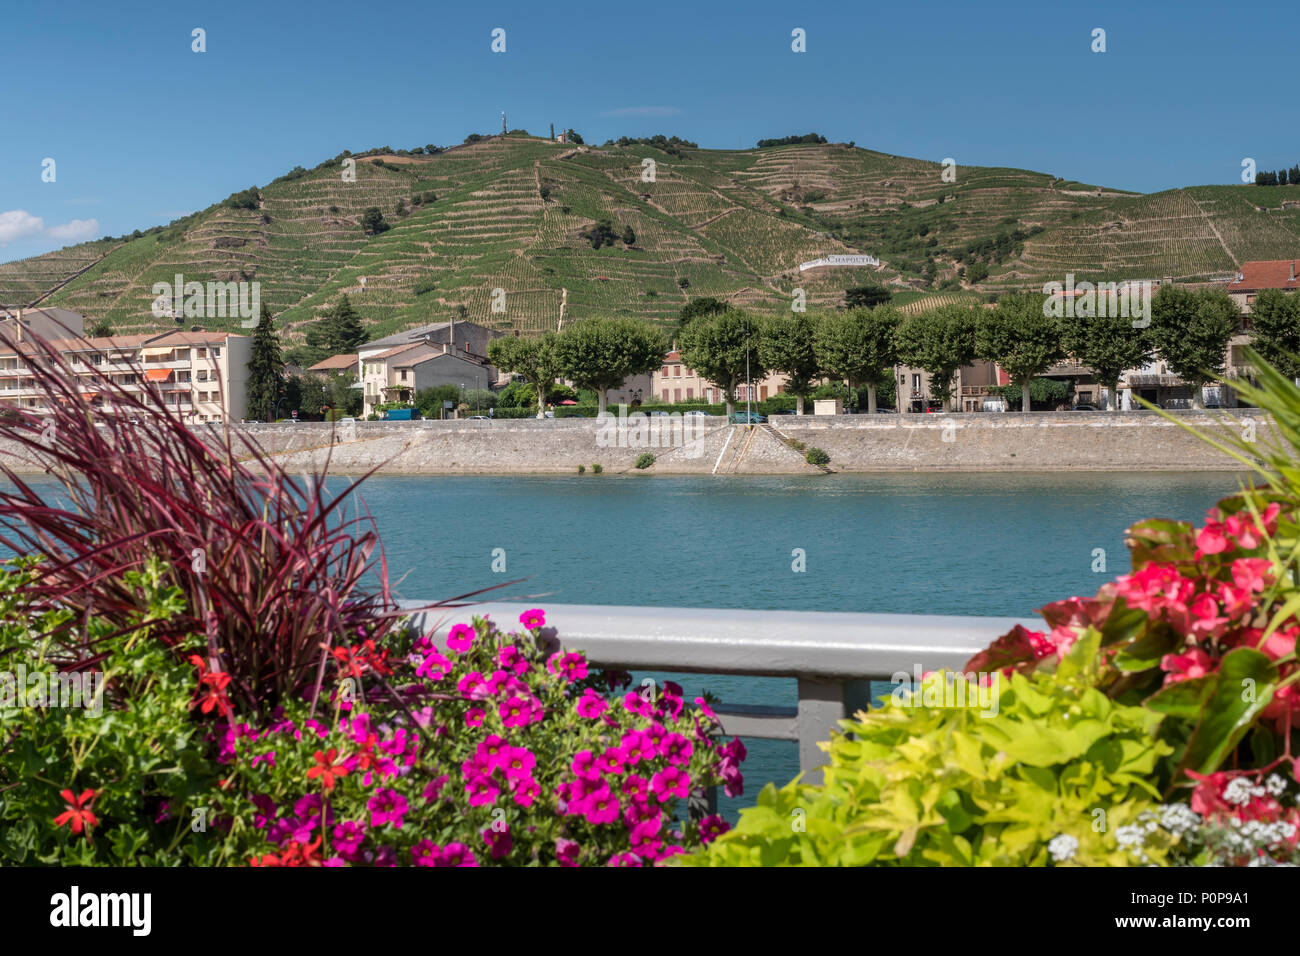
x: 78, y: 815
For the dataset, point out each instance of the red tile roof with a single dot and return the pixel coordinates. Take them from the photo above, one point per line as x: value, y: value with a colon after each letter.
x: 335, y: 363
x: 1270, y: 274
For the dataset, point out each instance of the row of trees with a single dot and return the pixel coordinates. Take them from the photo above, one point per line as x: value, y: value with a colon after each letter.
x: 1279, y: 178
x: 598, y: 354
x: 1189, y: 329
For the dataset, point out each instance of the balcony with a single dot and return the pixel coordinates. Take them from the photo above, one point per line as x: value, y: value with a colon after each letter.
x: 833, y: 656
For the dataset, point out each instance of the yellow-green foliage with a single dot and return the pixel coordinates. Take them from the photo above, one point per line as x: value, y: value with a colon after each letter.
x: 963, y: 786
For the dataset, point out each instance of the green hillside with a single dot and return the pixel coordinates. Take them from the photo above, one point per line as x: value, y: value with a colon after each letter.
x: 731, y: 224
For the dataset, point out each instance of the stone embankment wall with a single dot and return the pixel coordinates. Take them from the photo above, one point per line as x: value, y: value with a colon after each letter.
x: 1086, y: 441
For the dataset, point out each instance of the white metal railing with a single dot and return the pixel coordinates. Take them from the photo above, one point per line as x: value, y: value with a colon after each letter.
x: 832, y: 655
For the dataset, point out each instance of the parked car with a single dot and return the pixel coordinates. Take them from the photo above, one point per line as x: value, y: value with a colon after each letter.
x: 656, y: 414
x: 478, y: 418
x: 402, y: 415
x: 695, y: 413
x: 784, y: 411
x: 347, y: 421
x: 1084, y: 408
x: 747, y: 418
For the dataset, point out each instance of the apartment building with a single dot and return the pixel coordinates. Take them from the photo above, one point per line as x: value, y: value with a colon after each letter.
x: 203, y: 376
x: 675, y: 382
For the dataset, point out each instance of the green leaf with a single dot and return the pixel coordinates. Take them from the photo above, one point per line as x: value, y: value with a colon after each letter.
x: 1185, y: 699
x: 1232, y: 708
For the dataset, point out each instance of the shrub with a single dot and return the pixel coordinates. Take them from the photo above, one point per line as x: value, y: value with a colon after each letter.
x: 815, y: 456
x: 645, y: 460
x: 582, y: 469
x: 425, y: 286
x: 992, y: 781
x: 596, y: 469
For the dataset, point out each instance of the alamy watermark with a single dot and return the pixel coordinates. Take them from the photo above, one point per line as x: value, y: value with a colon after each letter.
x: 661, y: 430
x: 218, y: 300
x: 1113, y: 300
x: 978, y: 691
x: 84, y: 689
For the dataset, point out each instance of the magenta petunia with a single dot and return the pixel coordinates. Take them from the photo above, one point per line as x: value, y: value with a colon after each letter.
x: 499, y: 842
x: 566, y: 851
x: 535, y: 617
x: 434, y: 667
x: 348, y: 837
x: 612, y: 761
x: 601, y: 806
x: 457, y: 854
x: 481, y: 790
x: 591, y: 705
x: 460, y: 637
x: 624, y: 859
x: 387, y: 806
x: 426, y: 853
x: 677, y: 749
x: 525, y: 790
x: 670, y: 782
x: 712, y: 827
x: 433, y: 789
x: 584, y: 765
x: 471, y: 685
x: 474, y: 717
x: 518, y: 762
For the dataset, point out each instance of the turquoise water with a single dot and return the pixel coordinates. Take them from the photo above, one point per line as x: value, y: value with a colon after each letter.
x: 995, y: 544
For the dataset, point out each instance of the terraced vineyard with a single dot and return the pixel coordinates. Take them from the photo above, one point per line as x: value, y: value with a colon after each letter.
x: 493, y: 231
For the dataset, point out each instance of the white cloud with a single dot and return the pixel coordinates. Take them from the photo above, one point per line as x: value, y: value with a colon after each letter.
x: 643, y: 111
x: 19, y: 224
x: 76, y: 230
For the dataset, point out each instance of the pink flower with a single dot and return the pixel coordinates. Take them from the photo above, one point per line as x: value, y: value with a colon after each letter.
x: 625, y: 859
x: 1212, y: 540
x: 1253, y: 574
x: 433, y: 789
x: 474, y: 717
x: 525, y: 790
x: 481, y: 789
x: 519, y: 712
x: 434, y: 666
x: 638, y: 746
x: 533, y: 618
x: 591, y: 705
x: 426, y: 853
x: 348, y: 837
x: 572, y: 665
x: 518, y: 762
x: 513, y: 660
x: 1195, y: 663
x: 712, y: 827
x: 670, y: 782
x: 644, y: 838
x: 471, y: 685
x: 460, y: 637
x: 634, y: 703
x: 496, y: 683
x: 566, y: 851
x: 584, y: 765
x: 387, y: 806
x: 601, y: 806
x: 634, y: 786
x: 457, y: 854
x: 677, y: 749
x: 611, y: 761
x: 705, y: 709
x: 499, y: 842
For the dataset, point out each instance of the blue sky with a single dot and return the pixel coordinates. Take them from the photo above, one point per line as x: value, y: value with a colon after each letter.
x: 144, y: 130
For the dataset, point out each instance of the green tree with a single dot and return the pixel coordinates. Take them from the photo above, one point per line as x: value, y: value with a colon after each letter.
x: 429, y: 400
x: 372, y: 221
x: 858, y: 347
x: 265, y: 369
x: 1019, y: 337
x: 1275, y: 326
x: 786, y: 346
x: 343, y: 398
x: 941, y: 341
x: 536, y: 359
x: 101, y: 329
x: 717, y: 346
x: 600, y: 354
x: 1109, y: 346
x: 307, y: 395
x: 338, y: 332
x: 1191, y: 331
x: 866, y: 296
x: 702, y: 305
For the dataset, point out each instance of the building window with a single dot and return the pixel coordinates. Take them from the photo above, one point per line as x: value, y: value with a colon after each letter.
x: 916, y: 383
x: 677, y: 395
x: 690, y: 393
x: 677, y: 371
x: 665, y: 394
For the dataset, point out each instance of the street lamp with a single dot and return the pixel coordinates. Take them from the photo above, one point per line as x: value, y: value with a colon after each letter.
x: 749, y: 386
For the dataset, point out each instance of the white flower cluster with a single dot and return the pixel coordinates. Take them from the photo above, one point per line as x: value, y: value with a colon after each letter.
x: 1179, y: 818
x: 1062, y: 847
x: 1241, y: 791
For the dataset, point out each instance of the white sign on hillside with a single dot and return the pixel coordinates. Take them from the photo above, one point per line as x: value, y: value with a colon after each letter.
x: 839, y: 261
